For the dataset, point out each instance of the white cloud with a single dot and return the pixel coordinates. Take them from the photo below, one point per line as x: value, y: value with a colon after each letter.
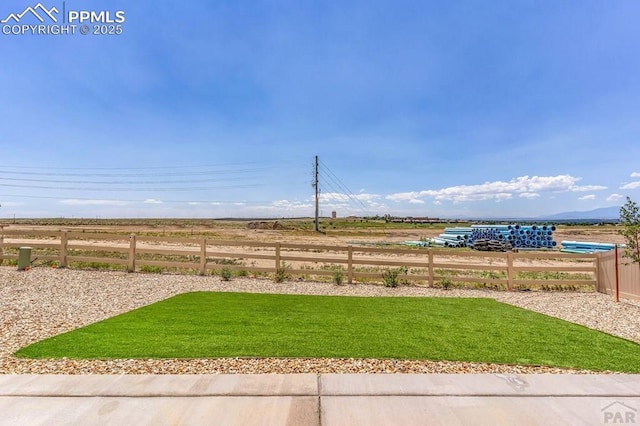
x: 344, y: 204
x: 635, y: 175
x: 588, y: 188
x: 403, y: 196
x: 366, y: 197
x: 341, y: 197
x: 152, y: 201
x: 502, y: 196
x: 76, y: 202
x: 285, y: 207
x: 291, y: 205
x: 500, y: 190
x: 416, y: 201
x: 588, y: 197
x: 529, y: 195
x: 361, y: 203
x: 631, y: 185
x: 11, y: 204
x: 358, y: 204
x: 546, y: 183
x: 614, y: 197
x: 333, y: 196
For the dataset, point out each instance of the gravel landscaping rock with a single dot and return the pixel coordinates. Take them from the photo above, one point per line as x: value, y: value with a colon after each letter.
x: 44, y: 302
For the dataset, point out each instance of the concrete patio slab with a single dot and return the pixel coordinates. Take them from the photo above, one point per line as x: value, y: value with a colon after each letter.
x: 160, y: 385
x: 475, y: 410
x: 331, y: 399
x: 481, y: 384
x: 265, y: 410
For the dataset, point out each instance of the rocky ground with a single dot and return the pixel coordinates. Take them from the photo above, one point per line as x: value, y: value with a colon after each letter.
x: 43, y: 302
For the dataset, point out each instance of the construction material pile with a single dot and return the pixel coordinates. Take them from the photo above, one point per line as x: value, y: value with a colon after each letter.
x: 484, y: 244
x: 582, y: 247
x: 453, y: 237
x: 514, y: 236
x: 518, y: 236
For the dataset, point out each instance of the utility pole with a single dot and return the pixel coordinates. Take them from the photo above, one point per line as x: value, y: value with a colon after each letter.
x: 315, y: 185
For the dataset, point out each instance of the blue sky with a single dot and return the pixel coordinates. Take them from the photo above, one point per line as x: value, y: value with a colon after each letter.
x: 216, y: 109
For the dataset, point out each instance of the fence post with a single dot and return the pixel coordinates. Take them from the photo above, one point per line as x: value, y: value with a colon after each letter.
x: 64, y: 242
x: 597, y: 273
x: 1, y: 244
x: 277, y: 256
x: 203, y: 256
x: 430, y: 253
x: 617, y: 276
x: 350, y: 264
x: 510, y: 271
x: 132, y: 253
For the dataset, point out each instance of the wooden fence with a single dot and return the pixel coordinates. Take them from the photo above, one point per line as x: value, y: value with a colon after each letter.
x: 622, y: 272
x: 358, y: 264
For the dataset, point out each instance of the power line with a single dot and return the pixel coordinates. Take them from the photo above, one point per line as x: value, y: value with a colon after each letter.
x: 128, y: 189
x: 45, y: 197
x: 119, y: 184
x: 160, y: 179
x: 345, y: 190
x: 120, y: 175
x: 123, y: 182
x: 132, y: 168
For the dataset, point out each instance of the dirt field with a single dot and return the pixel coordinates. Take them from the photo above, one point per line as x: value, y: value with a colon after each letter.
x: 333, y: 232
x: 337, y: 231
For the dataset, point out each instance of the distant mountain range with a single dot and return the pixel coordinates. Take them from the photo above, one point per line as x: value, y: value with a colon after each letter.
x: 601, y: 213
x: 608, y: 214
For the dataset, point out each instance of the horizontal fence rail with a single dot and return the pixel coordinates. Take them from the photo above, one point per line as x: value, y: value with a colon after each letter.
x: 426, y: 266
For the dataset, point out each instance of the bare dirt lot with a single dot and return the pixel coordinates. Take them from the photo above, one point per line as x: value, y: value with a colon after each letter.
x: 336, y: 231
x: 333, y: 232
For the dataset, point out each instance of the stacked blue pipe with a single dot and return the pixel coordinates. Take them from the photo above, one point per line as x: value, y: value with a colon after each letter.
x: 518, y: 236
x: 586, y: 247
x: 451, y: 240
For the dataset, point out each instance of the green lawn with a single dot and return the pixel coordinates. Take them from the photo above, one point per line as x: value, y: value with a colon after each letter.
x: 213, y: 325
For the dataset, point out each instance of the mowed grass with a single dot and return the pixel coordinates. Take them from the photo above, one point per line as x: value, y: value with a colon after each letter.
x: 214, y: 325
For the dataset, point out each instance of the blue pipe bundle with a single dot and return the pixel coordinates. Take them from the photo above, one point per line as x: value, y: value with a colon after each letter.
x: 448, y: 240
x: 586, y: 247
x: 518, y: 236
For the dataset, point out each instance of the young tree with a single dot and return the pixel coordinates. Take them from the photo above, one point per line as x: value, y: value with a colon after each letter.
x: 630, y: 221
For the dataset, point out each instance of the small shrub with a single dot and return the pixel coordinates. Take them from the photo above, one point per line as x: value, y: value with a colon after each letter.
x: 281, y: 274
x: 242, y: 273
x: 226, y: 274
x: 226, y: 261
x: 151, y: 269
x: 96, y: 266
x: 403, y: 270
x: 338, y: 276
x: 390, y: 277
x: 446, y: 283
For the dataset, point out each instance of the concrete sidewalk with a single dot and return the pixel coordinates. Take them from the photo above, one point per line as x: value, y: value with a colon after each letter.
x: 327, y: 399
